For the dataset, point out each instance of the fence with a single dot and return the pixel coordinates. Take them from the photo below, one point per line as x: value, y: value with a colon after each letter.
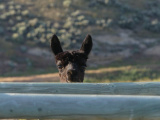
x: 114, y: 101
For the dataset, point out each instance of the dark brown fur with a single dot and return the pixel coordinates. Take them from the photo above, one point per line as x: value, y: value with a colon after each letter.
x: 74, y: 56
x: 71, y: 64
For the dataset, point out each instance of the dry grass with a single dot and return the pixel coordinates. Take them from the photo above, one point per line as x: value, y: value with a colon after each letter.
x: 33, y: 78
x: 54, y: 77
x: 114, y: 74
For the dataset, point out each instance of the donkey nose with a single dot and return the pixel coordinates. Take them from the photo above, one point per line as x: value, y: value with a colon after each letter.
x: 71, y: 72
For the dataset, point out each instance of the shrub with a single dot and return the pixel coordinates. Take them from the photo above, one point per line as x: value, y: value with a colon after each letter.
x: 25, y: 12
x: 76, y: 13
x: 18, y: 6
x: 3, y: 16
x: 15, y: 36
x: 67, y: 3
x: 2, y: 7
x: 33, y: 22
x: 80, y: 18
x: 12, y: 12
x: 67, y: 24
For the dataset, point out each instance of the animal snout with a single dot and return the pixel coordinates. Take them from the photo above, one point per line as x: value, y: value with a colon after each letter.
x: 71, y: 72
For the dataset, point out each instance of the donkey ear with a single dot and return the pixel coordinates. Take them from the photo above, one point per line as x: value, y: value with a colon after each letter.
x: 87, y: 45
x: 55, y: 45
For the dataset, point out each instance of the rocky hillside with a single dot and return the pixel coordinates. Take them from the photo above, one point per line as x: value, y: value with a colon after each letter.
x: 120, y: 29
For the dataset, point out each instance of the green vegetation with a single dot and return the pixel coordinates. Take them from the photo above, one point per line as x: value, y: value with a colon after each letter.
x: 30, y: 71
x: 31, y: 24
x: 132, y: 74
x: 120, y: 71
x: 24, y: 25
x: 134, y: 69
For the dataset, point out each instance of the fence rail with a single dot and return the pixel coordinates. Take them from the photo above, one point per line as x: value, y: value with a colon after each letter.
x: 108, y: 101
x: 40, y: 106
x: 140, y: 88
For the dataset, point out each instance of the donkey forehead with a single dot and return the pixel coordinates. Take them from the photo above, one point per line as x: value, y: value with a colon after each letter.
x: 68, y: 65
x: 71, y: 56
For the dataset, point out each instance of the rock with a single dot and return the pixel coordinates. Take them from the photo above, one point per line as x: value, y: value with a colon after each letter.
x: 153, y: 51
x: 23, y: 48
x: 149, y: 41
x: 122, y: 54
x: 121, y: 39
x: 126, y: 53
x: 10, y: 63
x: 154, y: 22
x: 39, y: 52
x: 1, y: 30
x: 142, y: 46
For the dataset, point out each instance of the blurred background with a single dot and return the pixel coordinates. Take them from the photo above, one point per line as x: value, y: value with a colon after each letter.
x: 125, y: 35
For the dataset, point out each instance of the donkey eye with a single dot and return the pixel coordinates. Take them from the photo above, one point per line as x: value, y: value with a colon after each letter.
x: 83, y: 67
x: 59, y: 66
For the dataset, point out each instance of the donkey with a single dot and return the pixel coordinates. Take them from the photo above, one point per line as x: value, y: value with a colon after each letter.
x: 71, y: 64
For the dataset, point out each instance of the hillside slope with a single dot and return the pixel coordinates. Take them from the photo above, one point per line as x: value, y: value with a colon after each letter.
x: 121, y: 29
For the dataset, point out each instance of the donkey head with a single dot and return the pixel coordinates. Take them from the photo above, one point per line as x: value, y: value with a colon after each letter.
x: 71, y: 64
